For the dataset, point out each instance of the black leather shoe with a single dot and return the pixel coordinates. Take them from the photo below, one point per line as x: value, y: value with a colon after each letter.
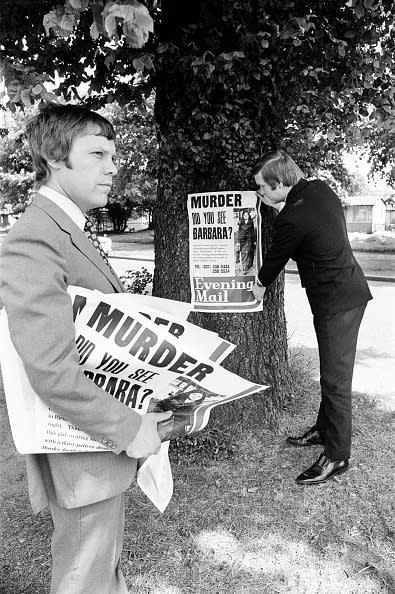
x: 311, y: 437
x: 322, y: 470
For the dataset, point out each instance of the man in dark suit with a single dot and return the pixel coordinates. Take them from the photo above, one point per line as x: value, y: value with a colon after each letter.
x: 47, y: 250
x: 311, y: 230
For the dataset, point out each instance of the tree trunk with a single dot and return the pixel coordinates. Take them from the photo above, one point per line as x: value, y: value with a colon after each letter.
x: 191, y: 101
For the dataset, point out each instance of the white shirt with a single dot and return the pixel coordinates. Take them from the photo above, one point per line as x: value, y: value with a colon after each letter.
x: 67, y: 205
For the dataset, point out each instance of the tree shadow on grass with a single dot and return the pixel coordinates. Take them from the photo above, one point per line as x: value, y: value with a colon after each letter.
x: 244, y: 525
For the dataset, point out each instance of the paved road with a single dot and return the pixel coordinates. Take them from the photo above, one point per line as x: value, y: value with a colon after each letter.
x: 375, y: 361
x: 373, y: 264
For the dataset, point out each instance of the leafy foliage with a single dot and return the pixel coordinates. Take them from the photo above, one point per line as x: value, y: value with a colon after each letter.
x: 315, y: 70
x: 77, y: 40
x: 323, y: 73
x: 132, y: 16
x: 119, y: 212
x: 134, y: 187
x: 16, y: 175
x: 382, y: 149
x: 136, y: 281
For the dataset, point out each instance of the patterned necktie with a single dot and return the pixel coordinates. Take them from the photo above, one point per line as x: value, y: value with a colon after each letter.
x: 92, y: 236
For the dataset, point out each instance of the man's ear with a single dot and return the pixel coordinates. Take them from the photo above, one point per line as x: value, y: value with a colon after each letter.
x: 55, y: 165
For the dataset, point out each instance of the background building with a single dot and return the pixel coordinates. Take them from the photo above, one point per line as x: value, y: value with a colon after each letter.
x: 364, y: 214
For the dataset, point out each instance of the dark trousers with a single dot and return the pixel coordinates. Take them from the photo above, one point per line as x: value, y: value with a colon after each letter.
x: 337, y: 336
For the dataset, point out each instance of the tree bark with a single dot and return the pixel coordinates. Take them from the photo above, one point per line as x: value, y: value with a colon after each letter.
x: 188, y: 105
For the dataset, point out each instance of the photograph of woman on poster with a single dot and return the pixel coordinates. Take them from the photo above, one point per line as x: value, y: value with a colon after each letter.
x: 182, y: 400
x: 246, y: 240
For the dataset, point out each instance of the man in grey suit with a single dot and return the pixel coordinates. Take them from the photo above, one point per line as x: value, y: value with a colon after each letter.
x: 47, y: 250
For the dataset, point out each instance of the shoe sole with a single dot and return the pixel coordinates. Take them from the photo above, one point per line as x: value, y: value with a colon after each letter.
x: 303, y: 445
x: 340, y: 471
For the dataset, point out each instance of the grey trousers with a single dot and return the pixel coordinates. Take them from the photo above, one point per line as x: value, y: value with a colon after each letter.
x: 86, y: 548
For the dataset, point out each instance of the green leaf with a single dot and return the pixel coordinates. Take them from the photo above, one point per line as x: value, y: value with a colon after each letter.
x: 37, y: 89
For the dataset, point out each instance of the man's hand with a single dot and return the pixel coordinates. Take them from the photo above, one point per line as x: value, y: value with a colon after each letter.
x: 165, y: 429
x: 258, y: 291
x: 147, y: 440
x: 276, y: 205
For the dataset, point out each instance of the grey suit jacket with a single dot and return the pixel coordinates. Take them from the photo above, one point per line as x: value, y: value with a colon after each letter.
x: 43, y: 253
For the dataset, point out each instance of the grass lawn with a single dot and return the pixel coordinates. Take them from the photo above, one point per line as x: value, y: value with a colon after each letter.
x: 238, y: 523
x: 379, y: 242
x: 125, y: 240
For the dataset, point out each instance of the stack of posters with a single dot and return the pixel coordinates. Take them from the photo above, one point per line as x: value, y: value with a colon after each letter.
x: 140, y: 350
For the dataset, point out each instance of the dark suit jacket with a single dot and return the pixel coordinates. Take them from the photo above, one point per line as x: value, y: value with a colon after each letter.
x: 43, y: 253
x: 311, y: 230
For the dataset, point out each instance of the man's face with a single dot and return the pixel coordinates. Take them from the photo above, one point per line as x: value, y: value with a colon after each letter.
x: 88, y: 177
x: 267, y: 194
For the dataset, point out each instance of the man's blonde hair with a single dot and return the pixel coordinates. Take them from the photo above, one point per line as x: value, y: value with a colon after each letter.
x: 277, y: 166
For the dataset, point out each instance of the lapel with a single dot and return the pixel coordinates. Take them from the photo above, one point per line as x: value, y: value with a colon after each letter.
x: 78, y: 237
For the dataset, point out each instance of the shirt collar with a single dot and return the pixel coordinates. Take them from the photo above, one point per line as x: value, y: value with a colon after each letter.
x: 67, y: 205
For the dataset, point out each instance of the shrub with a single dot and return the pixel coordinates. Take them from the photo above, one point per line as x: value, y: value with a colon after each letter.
x: 138, y: 281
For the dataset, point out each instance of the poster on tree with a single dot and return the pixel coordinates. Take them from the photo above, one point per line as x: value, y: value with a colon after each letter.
x: 225, y: 251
